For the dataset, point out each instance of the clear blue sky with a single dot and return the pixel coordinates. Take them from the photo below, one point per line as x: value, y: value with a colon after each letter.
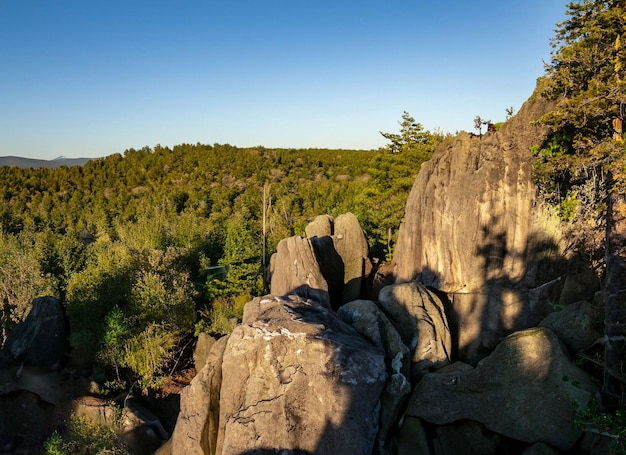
x: 95, y: 77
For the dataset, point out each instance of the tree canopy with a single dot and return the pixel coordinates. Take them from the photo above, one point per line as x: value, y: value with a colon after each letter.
x: 582, y: 165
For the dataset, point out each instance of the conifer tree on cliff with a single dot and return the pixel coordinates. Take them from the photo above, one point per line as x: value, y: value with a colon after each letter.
x: 587, y: 78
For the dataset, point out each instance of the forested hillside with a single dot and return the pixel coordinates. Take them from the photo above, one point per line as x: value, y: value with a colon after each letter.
x: 147, y: 247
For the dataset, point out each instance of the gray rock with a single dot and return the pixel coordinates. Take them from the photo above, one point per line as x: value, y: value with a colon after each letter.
x: 294, y: 269
x: 465, y: 438
x: 351, y: 244
x: 367, y: 319
x: 411, y: 439
x: 203, y: 348
x: 420, y: 318
x: 299, y: 379
x: 574, y: 325
x: 527, y: 389
x: 579, y: 286
x: 474, y: 228
x: 321, y: 226
x: 197, y: 424
x: 540, y: 449
x: 41, y: 339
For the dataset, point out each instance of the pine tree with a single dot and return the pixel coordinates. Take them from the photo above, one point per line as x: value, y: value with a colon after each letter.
x: 586, y: 78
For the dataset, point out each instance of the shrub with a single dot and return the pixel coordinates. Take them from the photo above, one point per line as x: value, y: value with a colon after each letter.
x: 85, y: 437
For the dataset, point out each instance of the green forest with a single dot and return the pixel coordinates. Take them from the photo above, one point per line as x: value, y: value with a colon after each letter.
x: 147, y: 248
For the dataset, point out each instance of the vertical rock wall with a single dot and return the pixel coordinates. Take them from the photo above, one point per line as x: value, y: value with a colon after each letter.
x: 473, y: 229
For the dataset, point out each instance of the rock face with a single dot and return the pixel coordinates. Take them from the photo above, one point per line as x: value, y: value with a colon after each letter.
x: 41, y: 339
x: 351, y: 244
x: 420, y: 318
x: 331, y: 263
x: 197, y: 423
x: 527, y: 389
x: 294, y: 266
x: 299, y: 379
x: 472, y: 229
x: 574, y: 325
x: 367, y: 319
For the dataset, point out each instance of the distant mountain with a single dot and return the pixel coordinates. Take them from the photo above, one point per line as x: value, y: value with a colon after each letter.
x: 33, y: 163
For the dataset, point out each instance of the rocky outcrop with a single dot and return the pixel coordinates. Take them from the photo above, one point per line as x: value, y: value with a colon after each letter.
x: 473, y: 229
x: 527, y: 389
x: 299, y: 379
x: 421, y: 320
x: 367, y: 319
x: 351, y: 244
x: 41, y: 339
x: 331, y: 264
x: 575, y: 325
x: 197, y: 423
x: 294, y: 268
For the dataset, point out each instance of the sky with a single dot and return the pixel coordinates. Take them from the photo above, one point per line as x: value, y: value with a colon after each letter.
x: 89, y: 78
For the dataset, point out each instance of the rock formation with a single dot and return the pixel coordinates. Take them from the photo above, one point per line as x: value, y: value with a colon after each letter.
x: 313, y: 368
x: 421, y: 320
x: 41, y: 339
x: 527, y: 389
x: 330, y: 264
x: 300, y: 379
x: 473, y: 229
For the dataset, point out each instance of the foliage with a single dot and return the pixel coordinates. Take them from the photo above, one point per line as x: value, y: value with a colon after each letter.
x: 164, y: 239
x: 147, y: 353
x: 609, y: 424
x: 85, y: 437
x: 411, y: 136
x: 21, y: 280
x: 585, y: 79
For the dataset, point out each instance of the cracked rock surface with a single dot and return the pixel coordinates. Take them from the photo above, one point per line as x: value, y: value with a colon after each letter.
x: 296, y: 377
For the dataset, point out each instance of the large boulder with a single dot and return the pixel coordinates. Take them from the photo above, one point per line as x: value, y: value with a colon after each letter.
x: 299, y: 379
x: 367, y: 319
x: 294, y: 268
x: 351, y: 244
x: 527, y: 390
x: 41, y: 339
x: 321, y: 226
x: 474, y: 229
x: 420, y: 317
x: 576, y: 325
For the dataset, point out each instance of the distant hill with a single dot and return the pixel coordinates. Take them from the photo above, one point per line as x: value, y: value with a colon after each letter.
x: 33, y: 163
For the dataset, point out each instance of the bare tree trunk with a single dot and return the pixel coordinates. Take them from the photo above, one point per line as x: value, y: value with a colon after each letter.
x: 615, y: 300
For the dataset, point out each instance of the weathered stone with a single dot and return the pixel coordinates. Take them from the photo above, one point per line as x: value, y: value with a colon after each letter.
x: 331, y: 267
x: 384, y: 275
x: 465, y: 438
x: 197, y: 423
x: 527, y: 389
x: 473, y: 225
x: 579, y: 286
x: 351, y: 244
x: 574, y: 325
x: 419, y: 315
x: 41, y: 339
x: 321, y: 226
x: 203, y: 348
x: 294, y: 268
x: 299, y: 379
x: 367, y: 319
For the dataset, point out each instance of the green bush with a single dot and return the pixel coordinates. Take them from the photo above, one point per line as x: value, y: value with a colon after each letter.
x: 85, y: 437
x: 146, y: 354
